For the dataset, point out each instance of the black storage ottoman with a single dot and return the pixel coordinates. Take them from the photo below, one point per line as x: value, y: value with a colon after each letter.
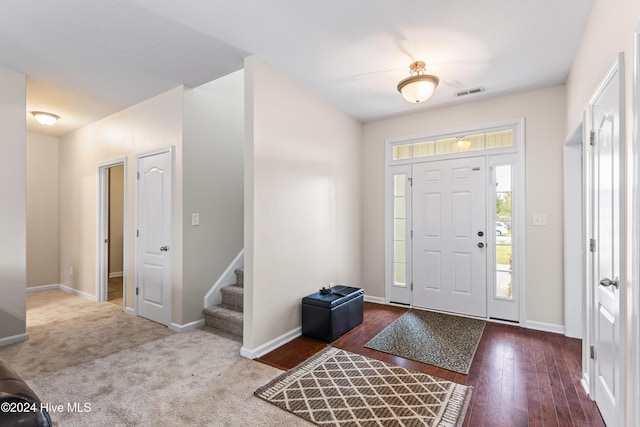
x: 329, y: 316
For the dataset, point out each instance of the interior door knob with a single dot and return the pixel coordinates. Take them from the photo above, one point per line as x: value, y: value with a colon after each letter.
x: 164, y: 248
x: 481, y: 245
x: 608, y: 282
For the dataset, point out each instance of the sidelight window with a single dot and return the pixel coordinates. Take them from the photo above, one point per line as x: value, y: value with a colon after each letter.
x: 504, y: 226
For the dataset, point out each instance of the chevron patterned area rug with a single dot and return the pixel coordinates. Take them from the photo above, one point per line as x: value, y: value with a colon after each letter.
x: 339, y: 388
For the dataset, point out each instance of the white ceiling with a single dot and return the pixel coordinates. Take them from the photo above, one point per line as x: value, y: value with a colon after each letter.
x: 86, y: 59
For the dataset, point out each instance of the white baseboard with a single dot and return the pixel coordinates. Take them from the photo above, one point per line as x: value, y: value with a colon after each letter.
x: 79, y: 293
x: 63, y: 288
x: 130, y: 311
x: 116, y: 274
x: 13, y: 339
x: 546, y: 327
x: 376, y: 300
x: 186, y: 327
x: 43, y: 288
x: 271, y: 345
x: 585, y: 382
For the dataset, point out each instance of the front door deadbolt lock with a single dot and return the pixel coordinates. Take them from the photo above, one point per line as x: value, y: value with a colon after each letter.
x: 480, y: 233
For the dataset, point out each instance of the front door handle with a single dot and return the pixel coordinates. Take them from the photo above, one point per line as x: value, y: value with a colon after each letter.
x: 481, y: 245
x: 164, y: 248
x: 608, y: 282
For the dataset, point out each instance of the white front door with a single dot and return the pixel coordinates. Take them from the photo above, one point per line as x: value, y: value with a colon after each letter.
x: 449, y: 236
x: 154, y: 237
x: 607, y: 244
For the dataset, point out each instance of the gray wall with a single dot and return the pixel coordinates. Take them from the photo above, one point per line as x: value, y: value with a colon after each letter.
x: 13, y: 251
x: 213, y: 140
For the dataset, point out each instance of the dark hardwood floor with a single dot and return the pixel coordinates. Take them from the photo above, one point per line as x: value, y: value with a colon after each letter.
x: 520, y: 377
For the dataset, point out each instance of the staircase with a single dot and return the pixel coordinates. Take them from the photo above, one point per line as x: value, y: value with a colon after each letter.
x: 227, y: 317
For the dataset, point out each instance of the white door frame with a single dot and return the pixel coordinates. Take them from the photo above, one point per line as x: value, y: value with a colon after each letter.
x: 633, y: 412
x: 171, y: 150
x: 574, y: 234
x: 102, y: 228
x: 591, y: 283
x: 519, y: 184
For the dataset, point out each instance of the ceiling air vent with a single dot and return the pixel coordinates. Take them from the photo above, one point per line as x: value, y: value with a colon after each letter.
x: 470, y: 91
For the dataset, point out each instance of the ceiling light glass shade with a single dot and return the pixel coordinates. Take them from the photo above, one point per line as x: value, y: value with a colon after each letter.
x: 46, y: 119
x: 418, y: 88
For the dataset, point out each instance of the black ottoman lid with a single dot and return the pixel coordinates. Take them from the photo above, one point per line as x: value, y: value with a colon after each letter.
x: 339, y: 295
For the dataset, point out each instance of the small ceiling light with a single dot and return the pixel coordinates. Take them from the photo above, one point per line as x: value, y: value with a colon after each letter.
x: 46, y: 119
x: 419, y: 86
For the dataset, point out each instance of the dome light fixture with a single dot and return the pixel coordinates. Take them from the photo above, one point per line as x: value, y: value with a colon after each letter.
x: 45, y: 119
x: 418, y: 86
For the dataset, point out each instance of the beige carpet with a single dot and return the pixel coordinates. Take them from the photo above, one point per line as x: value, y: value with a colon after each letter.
x: 130, y: 371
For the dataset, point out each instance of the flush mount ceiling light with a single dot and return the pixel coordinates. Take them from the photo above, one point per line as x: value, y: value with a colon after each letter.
x: 46, y: 119
x: 419, y: 86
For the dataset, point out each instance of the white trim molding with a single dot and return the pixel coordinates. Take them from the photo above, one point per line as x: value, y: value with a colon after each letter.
x: 375, y: 300
x: 43, y: 288
x: 271, y: 345
x: 13, y: 339
x: 78, y: 293
x: 102, y: 226
x: 130, y: 311
x: 633, y: 409
x: 65, y: 288
x: 187, y: 327
x: 546, y: 327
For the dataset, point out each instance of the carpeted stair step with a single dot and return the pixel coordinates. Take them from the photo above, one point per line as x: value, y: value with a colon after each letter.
x: 225, y: 317
x: 234, y: 296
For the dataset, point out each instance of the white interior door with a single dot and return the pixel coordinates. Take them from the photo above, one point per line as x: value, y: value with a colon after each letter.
x: 154, y: 237
x: 449, y: 236
x: 607, y: 214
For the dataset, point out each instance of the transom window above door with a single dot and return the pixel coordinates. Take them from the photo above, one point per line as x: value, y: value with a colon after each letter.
x: 452, y: 144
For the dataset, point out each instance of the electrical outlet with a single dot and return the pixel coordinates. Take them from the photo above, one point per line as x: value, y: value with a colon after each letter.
x: 70, y: 271
x: 540, y: 220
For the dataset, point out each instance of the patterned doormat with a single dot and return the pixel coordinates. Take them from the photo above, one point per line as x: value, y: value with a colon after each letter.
x: 438, y: 339
x: 339, y: 388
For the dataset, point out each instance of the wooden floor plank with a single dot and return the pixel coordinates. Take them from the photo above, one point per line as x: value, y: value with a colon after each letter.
x: 520, y: 377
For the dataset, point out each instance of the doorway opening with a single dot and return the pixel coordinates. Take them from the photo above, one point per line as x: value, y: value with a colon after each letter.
x: 110, y: 270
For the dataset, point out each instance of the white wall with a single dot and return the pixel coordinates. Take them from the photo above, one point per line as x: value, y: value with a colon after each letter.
x: 213, y: 145
x: 544, y: 111
x: 13, y: 258
x: 150, y: 125
x: 610, y: 30
x: 43, y: 228
x: 302, y: 200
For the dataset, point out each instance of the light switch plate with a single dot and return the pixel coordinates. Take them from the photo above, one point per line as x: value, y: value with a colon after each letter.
x: 539, y: 220
x: 195, y: 219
